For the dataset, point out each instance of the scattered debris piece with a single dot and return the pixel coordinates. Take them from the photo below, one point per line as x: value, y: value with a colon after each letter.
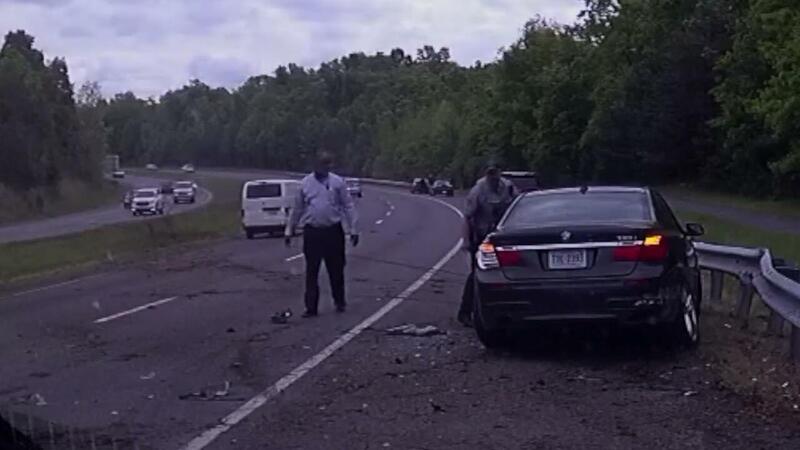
x: 149, y: 376
x: 114, y: 413
x: 208, y: 394
x: 727, y: 325
x: 38, y: 400
x: 436, y: 407
x: 236, y: 365
x: 690, y: 393
x: 224, y: 391
x: 231, y: 330
x: 785, y: 385
x: 282, y: 317
x: 410, y: 329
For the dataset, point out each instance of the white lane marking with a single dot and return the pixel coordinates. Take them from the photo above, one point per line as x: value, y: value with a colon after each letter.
x: 134, y: 310
x: 52, y: 286
x: 379, y: 221
x: 292, y: 258
x: 229, y: 421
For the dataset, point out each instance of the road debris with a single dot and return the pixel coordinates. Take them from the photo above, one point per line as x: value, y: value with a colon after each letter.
x: 149, y: 376
x: 38, y: 400
x: 282, y: 317
x: 208, y: 393
x: 410, y: 329
x: 690, y: 393
x: 435, y: 406
x: 231, y: 330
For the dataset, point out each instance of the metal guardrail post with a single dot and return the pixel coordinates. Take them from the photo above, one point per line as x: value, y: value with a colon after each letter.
x: 717, y: 281
x: 746, y: 291
x: 775, y: 324
x: 795, y: 344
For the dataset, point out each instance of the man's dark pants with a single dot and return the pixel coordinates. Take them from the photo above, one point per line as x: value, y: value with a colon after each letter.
x: 324, y: 244
x: 468, y: 295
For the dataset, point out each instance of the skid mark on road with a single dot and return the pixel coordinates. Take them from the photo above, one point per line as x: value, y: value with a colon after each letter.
x: 134, y: 310
x: 227, y: 422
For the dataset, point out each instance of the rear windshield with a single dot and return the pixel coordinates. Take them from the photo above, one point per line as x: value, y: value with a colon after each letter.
x: 183, y: 184
x: 572, y: 208
x: 144, y: 194
x: 263, y: 190
x: 352, y: 182
x: 526, y: 183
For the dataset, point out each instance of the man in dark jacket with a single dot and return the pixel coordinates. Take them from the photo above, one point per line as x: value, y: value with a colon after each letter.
x: 486, y: 203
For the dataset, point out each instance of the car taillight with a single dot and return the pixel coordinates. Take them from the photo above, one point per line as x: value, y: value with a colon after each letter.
x: 652, y: 249
x: 491, y: 257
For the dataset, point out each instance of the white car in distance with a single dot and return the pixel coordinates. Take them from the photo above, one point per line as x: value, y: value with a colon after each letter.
x: 147, y: 201
x: 184, y: 192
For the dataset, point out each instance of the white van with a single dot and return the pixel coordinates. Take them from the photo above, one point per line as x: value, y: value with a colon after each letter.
x: 266, y: 205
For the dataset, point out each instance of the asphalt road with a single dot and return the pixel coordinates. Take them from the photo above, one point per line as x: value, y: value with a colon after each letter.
x: 203, y: 366
x: 87, y: 220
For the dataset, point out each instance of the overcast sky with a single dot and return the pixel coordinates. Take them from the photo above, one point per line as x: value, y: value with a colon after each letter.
x: 150, y: 46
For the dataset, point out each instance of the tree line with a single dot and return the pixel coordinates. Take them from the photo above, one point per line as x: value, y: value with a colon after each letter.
x: 46, y: 134
x: 636, y: 91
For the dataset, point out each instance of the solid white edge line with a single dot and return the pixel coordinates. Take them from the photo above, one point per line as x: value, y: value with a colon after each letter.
x: 134, y: 310
x: 227, y: 422
x: 53, y: 286
x: 292, y: 258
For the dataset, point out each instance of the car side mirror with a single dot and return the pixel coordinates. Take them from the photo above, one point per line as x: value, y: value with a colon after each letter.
x: 695, y: 229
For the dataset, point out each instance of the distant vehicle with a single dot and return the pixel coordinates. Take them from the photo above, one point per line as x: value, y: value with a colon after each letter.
x: 167, y: 188
x: 420, y: 186
x: 354, y: 187
x: 151, y: 166
x: 266, y: 205
x: 523, y: 181
x: 118, y: 174
x: 187, y: 168
x: 184, y: 192
x: 147, y: 201
x: 443, y: 187
x: 127, y: 200
x: 599, y: 254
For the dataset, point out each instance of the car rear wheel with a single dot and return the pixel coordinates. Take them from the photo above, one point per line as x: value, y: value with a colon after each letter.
x: 491, y: 338
x: 249, y: 234
x: 685, y: 328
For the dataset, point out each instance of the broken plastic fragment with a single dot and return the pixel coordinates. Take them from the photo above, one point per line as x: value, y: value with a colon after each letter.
x: 149, y: 376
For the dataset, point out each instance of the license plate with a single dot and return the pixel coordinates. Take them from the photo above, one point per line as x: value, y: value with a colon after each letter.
x: 567, y: 259
x: 271, y: 211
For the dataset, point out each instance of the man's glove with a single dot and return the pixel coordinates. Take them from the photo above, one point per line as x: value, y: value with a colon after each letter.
x: 354, y: 240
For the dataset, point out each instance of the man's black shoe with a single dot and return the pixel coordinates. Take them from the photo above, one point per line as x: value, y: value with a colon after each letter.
x: 309, y: 314
x: 341, y: 308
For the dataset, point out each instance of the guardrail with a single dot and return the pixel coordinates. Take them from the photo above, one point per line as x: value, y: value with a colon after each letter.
x: 756, y: 271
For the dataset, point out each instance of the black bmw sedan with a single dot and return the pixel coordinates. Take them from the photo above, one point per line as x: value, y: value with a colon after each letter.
x: 589, y: 254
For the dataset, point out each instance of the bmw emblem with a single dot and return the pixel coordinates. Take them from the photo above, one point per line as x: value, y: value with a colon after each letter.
x: 565, y: 235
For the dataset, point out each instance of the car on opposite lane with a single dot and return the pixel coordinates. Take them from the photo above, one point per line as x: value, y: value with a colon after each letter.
x: 589, y: 254
x: 118, y: 174
x: 184, y: 192
x: 188, y: 168
x: 354, y: 187
x: 420, y: 186
x: 147, y: 201
x: 443, y: 187
x: 151, y: 167
x: 523, y: 181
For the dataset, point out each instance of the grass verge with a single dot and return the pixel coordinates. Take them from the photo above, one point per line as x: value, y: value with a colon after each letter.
x: 782, y: 245
x: 220, y: 218
x: 70, y: 196
x: 789, y: 208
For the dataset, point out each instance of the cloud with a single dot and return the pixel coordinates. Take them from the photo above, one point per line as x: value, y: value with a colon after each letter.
x: 151, y: 46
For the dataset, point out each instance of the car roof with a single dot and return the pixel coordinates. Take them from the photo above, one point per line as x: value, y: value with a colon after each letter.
x: 156, y: 190
x: 270, y: 182
x: 589, y: 189
x: 517, y: 173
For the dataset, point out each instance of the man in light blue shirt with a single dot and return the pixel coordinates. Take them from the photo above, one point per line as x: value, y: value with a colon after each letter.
x: 325, y: 210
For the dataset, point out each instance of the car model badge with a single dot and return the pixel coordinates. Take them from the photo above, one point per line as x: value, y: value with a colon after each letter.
x: 565, y: 235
